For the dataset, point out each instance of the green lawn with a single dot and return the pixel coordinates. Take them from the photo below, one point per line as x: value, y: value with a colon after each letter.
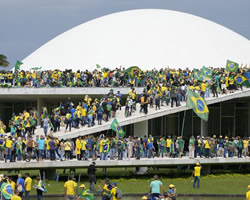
x: 220, y: 182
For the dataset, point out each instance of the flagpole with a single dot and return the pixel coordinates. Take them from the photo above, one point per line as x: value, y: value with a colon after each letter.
x: 183, y: 123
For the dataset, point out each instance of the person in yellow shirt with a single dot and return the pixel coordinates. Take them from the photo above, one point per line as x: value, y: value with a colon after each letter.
x: 248, y: 193
x: 70, y: 189
x: 106, y: 189
x: 78, y: 148
x: 27, y: 185
x: 26, y: 115
x: 113, y: 191
x: 16, y: 197
x: 67, y: 149
x: 12, y: 183
x: 207, y: 148
x: 203, y: 89
x: 168, y: 145
x: 245, y: 146
x: 83, y: 149
x: 8, y: 145
x: 196, y: 175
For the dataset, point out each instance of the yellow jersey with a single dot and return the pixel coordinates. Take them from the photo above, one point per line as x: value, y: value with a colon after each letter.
x: 197, y: 171
x: 70, y: 186
x: 248, y: 195
x: 28, y: 183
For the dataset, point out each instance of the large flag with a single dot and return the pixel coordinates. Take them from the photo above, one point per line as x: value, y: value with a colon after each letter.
x: 232, y: 66
x: 206, y: 72
x: 197, y: 103
x: 86, y: 195
x: 7, y: 190
x: 116, y: 127
x: 241, y: 80
x: 18, y: 64
x: 131, y: 70
x: 198, y: 75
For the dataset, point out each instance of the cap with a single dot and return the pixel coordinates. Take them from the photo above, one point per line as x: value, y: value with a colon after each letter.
x: 197, y: 163
x: 144, y: 197
x: 249, y: 187
x: 171, y: 186
x: 214, y: 136
x: 226, y: 137
x: 82, y: 186
x: 115, y: 184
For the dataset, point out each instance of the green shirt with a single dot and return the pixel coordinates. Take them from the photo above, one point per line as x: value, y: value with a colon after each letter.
x: 181, y: 143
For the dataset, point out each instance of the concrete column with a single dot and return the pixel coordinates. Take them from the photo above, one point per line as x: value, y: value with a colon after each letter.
x: 40, y: 104
x: 206, y: 169
x: 248, y: 132
x: 50, y: 174
x: 141, y: 129
x: 204, y: 128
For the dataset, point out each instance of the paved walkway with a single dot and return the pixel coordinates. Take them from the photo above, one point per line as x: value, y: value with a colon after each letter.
x: 143, y: 162
x: 139, y: 117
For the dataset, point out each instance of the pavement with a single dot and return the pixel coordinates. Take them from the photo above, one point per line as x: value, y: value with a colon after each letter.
x: 140, y: 117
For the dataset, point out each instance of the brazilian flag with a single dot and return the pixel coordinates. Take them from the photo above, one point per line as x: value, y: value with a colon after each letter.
x: 86, y: 195
x: 198, y: 75
x: 7, y: 190
x: 116, y: 127
x: 131, y: 70
x: 241, y: 80
x: 18, y: 64
x: 206, y: 72
x: 197, y: 103
x: 232, y: 66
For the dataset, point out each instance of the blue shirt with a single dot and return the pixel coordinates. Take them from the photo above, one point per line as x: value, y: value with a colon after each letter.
x: 41, y: 144
x: 90, y: 143
x: 52, y: 145
x: 150, y: 145
x: 21, y: 182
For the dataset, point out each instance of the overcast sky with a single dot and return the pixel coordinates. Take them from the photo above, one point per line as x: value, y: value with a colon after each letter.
x: 25, y: 25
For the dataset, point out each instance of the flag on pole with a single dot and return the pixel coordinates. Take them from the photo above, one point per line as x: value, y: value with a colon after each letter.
x: 241, y: 80
x: 36, y: 68
x: 116, y: 127
x: 86, y: 195
x: 232, y: 66
x: 131, y: 70
x: 206, y: 72
x: 197, y: 103
x: 18, y: 64
x: 198, y: 75
x: 98, y: 66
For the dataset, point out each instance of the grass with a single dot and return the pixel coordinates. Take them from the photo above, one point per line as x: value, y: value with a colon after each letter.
x: 220, y: 182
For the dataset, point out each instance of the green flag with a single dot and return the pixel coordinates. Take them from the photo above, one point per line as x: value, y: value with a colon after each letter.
x: 197, y: 103
x: 18, y: 64
x: 98, y: 66
x: 36, y: 68
x: 131, y: 70
x: 86, y: 195
x: 241, y: 80
x: 198, y: 75
x: 232, y: 66
x: 206, y: 72
x: 116, y: 127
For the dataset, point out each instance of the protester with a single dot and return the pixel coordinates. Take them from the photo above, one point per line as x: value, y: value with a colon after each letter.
x: 92, y: 176
x: 155, y: 188
x: 27, y: 185
x: 196, y: 175
x: 70, y: 189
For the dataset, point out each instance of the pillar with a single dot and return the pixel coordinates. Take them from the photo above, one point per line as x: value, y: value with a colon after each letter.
x: 204, y: 128
x: 40, y: 104
x: 141, y: 129
x: 248, y: 132
x: 206, y: 169
x: 50, y: 174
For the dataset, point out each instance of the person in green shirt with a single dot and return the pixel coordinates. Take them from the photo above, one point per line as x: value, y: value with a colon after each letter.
x: 181, y: 143
x: 161, y: 147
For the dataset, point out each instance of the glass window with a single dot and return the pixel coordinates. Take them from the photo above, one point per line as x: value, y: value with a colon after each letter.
x: 227, y: 126
x: 227, y: 109
x: 196, y: 126
x: 188, y: 123
x: 241, y: 122
x: 214, y: 121
x: 171, y: 126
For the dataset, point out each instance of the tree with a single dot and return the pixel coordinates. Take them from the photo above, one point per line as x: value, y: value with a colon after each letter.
x: 3, y: 61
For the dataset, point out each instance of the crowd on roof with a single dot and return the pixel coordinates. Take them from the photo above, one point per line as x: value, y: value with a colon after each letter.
x: 131, y: 77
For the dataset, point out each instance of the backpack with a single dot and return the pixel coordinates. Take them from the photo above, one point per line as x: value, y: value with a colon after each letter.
x: 118, y: 193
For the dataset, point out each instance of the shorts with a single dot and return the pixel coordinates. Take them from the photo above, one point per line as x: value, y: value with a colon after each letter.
x: 70, y: 197
x: 40, y: 153
x: 168, y: 149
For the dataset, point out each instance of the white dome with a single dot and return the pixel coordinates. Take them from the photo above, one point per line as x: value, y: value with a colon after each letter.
x: 148, y: 38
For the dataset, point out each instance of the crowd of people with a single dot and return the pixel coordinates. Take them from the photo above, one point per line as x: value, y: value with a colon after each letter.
x: 89, y: 147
